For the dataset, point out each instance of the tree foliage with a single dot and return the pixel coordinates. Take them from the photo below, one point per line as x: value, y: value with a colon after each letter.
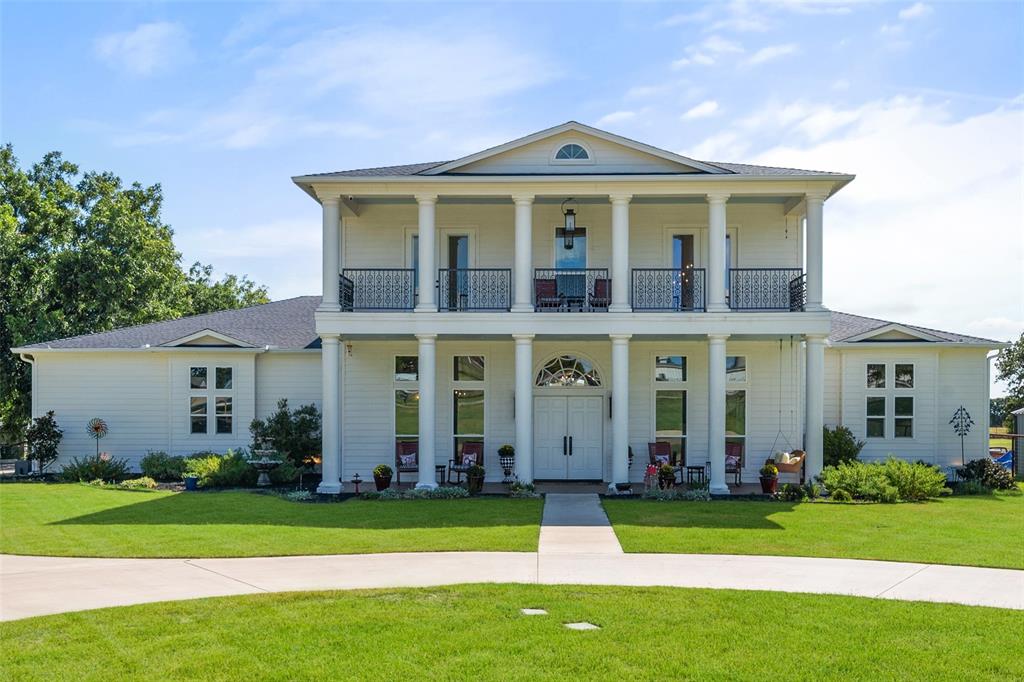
x: 83, y: 253
x: 294, y: 433
x: 839, y: 445
x: 43, y: 437
x: 1010, y: 368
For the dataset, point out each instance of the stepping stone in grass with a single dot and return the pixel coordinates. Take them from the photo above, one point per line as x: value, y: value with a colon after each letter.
x: 533, y: 612
x: 582, y: 626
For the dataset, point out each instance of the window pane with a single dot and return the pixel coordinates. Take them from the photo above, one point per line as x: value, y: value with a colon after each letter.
x: 876, y: 428
x: 407, y: 413
x: 198, y: 377
x: 469, y: 412
x: 876, y: 376
x: 876, y: 407
x: 903, y: 407
x: 224, y: 378
x: 406, y: 368
x: 576, y: 257
x: 670, y: 413
x: 223, y: 410
x: 903, y: 428
x: 197, y: 415
x: 736, y: 369
x: 469, y: 368
x: 224, y: 406
x: 735, y: 413
x: 670, y: 368
x: 904, y: 376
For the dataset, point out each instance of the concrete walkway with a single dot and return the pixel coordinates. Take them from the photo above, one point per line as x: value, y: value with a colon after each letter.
x: 575, y: 524
x: 577, y: 546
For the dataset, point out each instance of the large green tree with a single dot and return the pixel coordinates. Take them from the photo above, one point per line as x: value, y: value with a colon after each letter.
x: 82, y: 253
x: 1010, y: 368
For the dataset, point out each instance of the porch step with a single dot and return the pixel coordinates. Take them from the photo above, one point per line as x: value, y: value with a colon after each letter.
x: 575, y: 523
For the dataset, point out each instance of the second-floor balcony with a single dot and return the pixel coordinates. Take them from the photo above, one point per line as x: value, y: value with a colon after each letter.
x: 570, y: 290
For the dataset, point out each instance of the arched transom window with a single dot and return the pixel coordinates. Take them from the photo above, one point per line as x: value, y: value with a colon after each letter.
x: 568, y: 370
x: 571, y: 152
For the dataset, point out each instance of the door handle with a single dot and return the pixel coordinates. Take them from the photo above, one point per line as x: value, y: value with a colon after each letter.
x: 564, y: 451
x: 570, y: 446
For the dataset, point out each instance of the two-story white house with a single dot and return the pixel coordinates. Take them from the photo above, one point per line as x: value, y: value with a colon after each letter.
x: 574, y: 293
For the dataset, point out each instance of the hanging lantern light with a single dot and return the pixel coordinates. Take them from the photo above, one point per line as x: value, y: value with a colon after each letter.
x: 569, y: 231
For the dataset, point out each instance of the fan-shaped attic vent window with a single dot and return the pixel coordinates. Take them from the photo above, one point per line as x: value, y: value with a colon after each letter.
x: 571, y: 152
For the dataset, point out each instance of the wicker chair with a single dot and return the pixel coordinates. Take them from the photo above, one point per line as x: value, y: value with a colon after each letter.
x: 661, y: 453
x: 546, y: 294
x: 472, y: 453
x: 602, y: 294
x: 406, y: 451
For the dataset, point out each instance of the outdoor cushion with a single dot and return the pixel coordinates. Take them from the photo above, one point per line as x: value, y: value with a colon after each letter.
x: 468, y: 459
x: 408, y: 460
x: 662, y: 459
x: 732, y: 461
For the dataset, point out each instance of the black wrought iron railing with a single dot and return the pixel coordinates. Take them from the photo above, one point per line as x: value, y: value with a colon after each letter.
x: 466, y: 289
x: 377, y: 289
x: 571, y: 289
x: 766, y: 289
x: 668, y: 289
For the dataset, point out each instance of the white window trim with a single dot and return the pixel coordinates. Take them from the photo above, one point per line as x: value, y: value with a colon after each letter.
x: 883, y: 417
x: 410, y: 386
x: 746, y: 371
x: 572, y: 162
x: 912, y: 417
x: 890, y: 393
x: 211, y: 393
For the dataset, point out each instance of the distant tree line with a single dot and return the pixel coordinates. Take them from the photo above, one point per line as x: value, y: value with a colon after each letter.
x: 83, y: 253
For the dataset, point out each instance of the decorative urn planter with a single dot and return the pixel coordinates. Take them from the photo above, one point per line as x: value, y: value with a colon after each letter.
x: 265, y: 464
x: 507, y: 460
x: 769, y: 484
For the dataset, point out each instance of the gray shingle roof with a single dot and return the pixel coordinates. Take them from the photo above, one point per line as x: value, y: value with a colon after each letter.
x: 846, y: 325
x: 286, y: 324
x: 289, y: 325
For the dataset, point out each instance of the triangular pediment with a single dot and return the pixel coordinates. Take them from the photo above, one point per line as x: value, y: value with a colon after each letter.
x: 207, y: 338
x: 602, y: 153
x: 893, y: 332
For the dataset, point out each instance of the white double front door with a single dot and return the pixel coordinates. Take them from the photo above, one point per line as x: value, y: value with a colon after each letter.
x: 567, y: 442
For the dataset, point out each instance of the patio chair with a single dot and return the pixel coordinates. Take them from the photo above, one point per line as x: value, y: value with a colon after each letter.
x: 472, y: 453
x: 406, y: 458
x: 734, y: 460
x: 602, y: 294
x: 546, y: 293
x: 661, y: 453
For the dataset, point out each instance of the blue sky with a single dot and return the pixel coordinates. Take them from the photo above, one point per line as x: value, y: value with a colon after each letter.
x: 222, y: 102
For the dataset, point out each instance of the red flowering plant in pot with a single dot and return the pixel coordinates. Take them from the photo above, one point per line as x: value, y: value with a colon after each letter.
x: 769, y: 478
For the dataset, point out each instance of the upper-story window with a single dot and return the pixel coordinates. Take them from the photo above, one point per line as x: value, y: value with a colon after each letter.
x: 572, y: 151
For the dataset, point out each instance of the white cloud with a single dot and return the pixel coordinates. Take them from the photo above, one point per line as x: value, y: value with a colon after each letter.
x: 702, y: 110
x: 915, y: 11
x: 695, y: 58
x: 720, y: 45
x: 615, y: 117
x: 148, y: 49
x: 706, y: 52
x: 767, y: 54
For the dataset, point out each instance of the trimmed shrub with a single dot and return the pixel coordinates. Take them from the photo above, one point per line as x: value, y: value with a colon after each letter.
x: 792, y: 492
x: 890, y: 481
x: 839, y: 445
x: 43, y: 437
x: 438, y: 493
x: 697, y: 494
x: 162, y: 467
x: 230, y: 470
x: 989, y: 474
x: 293, y: 433
x: 841, y: 496
x: 141, y: 483
x: 102, y: 467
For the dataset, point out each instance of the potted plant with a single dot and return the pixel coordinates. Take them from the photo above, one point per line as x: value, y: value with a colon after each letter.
x: 666, y: 476
x: 507, y: 460
x: 769, y: 478
x: 475, y: 479
x: 382, y: 476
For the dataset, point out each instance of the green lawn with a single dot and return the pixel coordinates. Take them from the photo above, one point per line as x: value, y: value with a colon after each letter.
x: 973, y: 531
x: 477, y: 632
x: 78, y: 520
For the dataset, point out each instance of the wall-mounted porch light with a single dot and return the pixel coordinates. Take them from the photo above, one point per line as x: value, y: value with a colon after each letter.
x: 569, y: 231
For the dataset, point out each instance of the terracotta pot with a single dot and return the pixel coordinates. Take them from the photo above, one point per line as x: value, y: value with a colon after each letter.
x: 382, y: 482
x: 768, y: 485
x: 474, y: 484
x: 666, y: 482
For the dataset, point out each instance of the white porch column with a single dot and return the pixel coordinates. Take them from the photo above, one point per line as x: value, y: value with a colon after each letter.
x: 427, y: 412
x: 716, y: 253
x: 716, y: 412
x: 427, y: 236
x: 524, y: 407
x: 814, y: 420
x: 620, y: 410
x: 330, y: 365
x: 620, y: 253
x: 332, y: 253
x: 523, y: 275
x: 815, y: 210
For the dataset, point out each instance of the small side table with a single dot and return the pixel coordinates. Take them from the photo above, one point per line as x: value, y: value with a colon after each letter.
x: 695, y: 472
x: 439, y: 472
